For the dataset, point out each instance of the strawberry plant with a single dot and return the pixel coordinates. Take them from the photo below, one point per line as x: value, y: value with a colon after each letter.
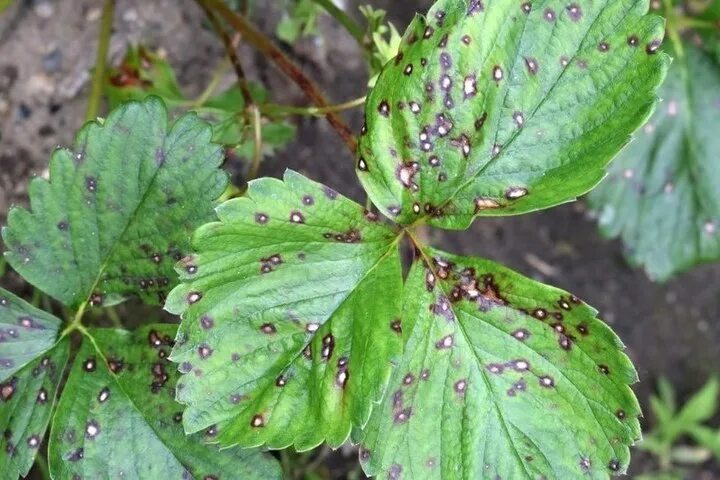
x: 300, y: 325
x: 661, y: 195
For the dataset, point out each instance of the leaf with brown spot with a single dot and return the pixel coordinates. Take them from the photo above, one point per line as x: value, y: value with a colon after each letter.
x: 303, y: 296
x: 27, y: 399
x: 126, y: 424
x: 119, y: 207
x: 523, y: 117
x: 662, y: 195
x: 487, y: 402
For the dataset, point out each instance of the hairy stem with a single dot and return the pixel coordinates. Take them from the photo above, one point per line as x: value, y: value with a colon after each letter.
x: 255, y: 38
x: 100, y: 61
x: 257, y: 131
x: 278, y: 110
x: 343, y: 19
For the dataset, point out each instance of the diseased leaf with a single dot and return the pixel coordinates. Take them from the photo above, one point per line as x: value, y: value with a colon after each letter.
x: 117, y: 417
x: 505, y: 107
x: 289, y: 311
x: 119, y: 208
x: 502, y: 377
x: 26, y: 404
x: 144, y: 73
x: 25, y: 333
x: 662, y: 196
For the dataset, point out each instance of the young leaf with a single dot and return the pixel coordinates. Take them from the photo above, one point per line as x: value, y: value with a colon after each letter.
x: 119, y: 208
x: 502, y: 377
x: 662, y: 196
x: 25, y: 333
x: 26, y: 404
x: 504, y: 107
x: 289, y: 312
x: 117, y: 417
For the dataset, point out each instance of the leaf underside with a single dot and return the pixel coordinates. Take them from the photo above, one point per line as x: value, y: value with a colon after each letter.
x: 288, y: 311
x: 119, y: 208
x: 662, y: 196
x: 504, y: 107
x: 26, y: 405
x: 117, y: 417
x: 502, y: 377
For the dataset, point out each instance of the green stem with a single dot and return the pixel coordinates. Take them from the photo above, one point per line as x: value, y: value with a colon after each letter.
x: 100, y: 61
x: 42, y: 467
x: 217, y: 76
x: 257, y: 130
x: 279, y: 110
x: 344, y: 19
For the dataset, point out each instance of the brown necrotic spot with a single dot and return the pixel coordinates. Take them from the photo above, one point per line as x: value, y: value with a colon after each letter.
x: 546, y: 381
x: 89, y: 365
x: 460, y: 386
x: 7, y: 389
x: 268, y: 328
x: 476, y: 6
x: 653, y: 47
x: 496, y: 368
x: 281, y: 381
x: 520, y: 365
x: 585, y: 464
x: 103, y: 395
x: 633, y: 40
x: 261, y: 218
x: 308, y: 200
x: 406, y: 172
x: 445, y: 342
x: 33, y: 441
x: 194, y: 297
x: 41, y: 396
x: 521, y: 334
x: 604, y: 369
x: 63, y: 226
x: 394, y: 472
x: 92, y: 430
x: 408, y: 69
x: 204, y: 351
x: 549, y: 15
x: 206, y: 322
x: 532, y: 65
x: 574, y: 12
x: 257, y: 421
x: 328, y: 345
x: 497, y: 73
x: 603, y: 47
x: 513, y: 193
x: 384, y: 108
x: 396, y: 325
x: 582, y: 329
x: 620, y: 414
x: 91, y: 184
x: 466, y: 39
x: 614, y: 465
x: 403, y: 415
x: 297, y: 217
x: 526, y: 7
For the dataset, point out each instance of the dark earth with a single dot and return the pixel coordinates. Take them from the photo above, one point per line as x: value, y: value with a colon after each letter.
x: 47, y: 49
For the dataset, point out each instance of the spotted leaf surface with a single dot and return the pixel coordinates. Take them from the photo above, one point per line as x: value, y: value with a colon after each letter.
x: 117, y: 417
x: 662, y: 196
x: 502, y: 377
x: 26, y: 404
x: 25, y: 333
x: 289, y: 317
x: 119, y: 207
x: 503, y: 107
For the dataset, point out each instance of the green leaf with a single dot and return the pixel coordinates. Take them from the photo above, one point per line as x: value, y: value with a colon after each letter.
x: 502, y: 377
x: 142, y: 73
x: 26, y: 404
x: 300, y: 20
x: 117, y: 417
x: 25, y: 333
x: 662, y: 196
x: 119, y: 208
x: 701, y: 406
x: 288, y: 317
x: 504, y: 107
x: 707, y: 437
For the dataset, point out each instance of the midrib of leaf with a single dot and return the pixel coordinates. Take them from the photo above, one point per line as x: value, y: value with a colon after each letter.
x: 111, y: 250
x: 100, y: 353
x: 428, y: 262
x: 297, y: 354
x: 483, y: 374
x: 515, y: 134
